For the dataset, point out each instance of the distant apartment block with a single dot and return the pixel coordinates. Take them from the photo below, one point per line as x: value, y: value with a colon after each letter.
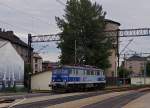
x: 135, y: 65
x: 47, y: 65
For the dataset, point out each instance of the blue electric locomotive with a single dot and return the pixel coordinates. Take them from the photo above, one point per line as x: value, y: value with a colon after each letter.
x: 77, y: 77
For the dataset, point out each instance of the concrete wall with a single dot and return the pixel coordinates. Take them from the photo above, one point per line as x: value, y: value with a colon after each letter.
x: 41, y: 81
x: 140, y: 80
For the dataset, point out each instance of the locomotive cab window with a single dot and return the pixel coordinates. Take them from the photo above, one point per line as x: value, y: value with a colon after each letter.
x: 98, y: 72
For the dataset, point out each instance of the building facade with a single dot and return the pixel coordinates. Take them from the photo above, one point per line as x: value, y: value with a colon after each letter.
x: 135, y: 65
x: 11, y: 66
x: 37, y: 63
x: 112, y: 71
x: 40, y: 81
x: 47, y: 65
x: 21, y: 48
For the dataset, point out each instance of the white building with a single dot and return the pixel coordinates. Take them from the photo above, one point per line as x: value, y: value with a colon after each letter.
x: 40, y: 81
x: 11, y: 66
x: 37, y: 63
x: 140, y: 81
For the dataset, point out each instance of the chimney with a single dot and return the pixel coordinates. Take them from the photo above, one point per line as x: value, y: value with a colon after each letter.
x: 10, y: 32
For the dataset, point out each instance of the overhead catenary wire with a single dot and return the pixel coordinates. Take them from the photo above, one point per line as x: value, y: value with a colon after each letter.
x: 43, y: 47
x: 23, y: 28
x: 24, y: 12
x: 131, y: 50
x: 126, y: 46
x: 60, y: 2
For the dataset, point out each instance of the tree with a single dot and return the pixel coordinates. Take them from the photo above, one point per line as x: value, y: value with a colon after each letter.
x: 83, y: 24
x: 123, y: 73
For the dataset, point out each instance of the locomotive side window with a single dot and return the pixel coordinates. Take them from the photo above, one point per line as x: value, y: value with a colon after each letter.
x: 72, y: 72
x: 88, y: 72
x: 76, y: 72
x: 92, y: 72
x: 85, y: 72
x: 81, y: 72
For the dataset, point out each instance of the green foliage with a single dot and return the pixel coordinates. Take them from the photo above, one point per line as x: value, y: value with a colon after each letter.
x: 123, y: 73
x: 84, y: 22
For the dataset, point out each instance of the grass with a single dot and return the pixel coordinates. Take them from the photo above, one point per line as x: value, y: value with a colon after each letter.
x: 13, y: 90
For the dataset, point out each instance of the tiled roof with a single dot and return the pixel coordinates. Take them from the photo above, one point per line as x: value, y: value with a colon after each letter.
x: 111, y: 21
x: 136, y: 58
x: 36, y: 55
x: 9, y: 36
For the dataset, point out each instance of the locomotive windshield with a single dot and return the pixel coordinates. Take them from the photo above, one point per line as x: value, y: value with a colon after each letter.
x: 57, y: 71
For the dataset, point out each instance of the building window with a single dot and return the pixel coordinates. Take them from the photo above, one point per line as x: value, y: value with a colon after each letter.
x: 130, y: 66
x: 113, y: 73
x: 36, y: 66
x: 36, y: 60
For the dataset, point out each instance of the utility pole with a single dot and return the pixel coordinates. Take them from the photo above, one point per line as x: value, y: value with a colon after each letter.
x: 75, y: 52
x: 29, y: 62
x: 117, y: 55
x: 124, y: 72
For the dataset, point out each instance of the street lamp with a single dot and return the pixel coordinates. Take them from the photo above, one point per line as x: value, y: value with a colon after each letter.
x: 145, y: 63
x: 145, y: 69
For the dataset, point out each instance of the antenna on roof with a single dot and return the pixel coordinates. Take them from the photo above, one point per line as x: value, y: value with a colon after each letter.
x: 60, y: 2
x: 3, y: 30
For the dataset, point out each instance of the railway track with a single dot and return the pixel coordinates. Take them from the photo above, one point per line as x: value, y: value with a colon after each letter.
x: 6, y: 101
x: 51, y: 102
x: 56, y: 101
x: 118, y: 101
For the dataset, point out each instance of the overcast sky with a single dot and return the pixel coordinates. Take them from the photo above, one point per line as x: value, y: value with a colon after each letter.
x: 38, y: 17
